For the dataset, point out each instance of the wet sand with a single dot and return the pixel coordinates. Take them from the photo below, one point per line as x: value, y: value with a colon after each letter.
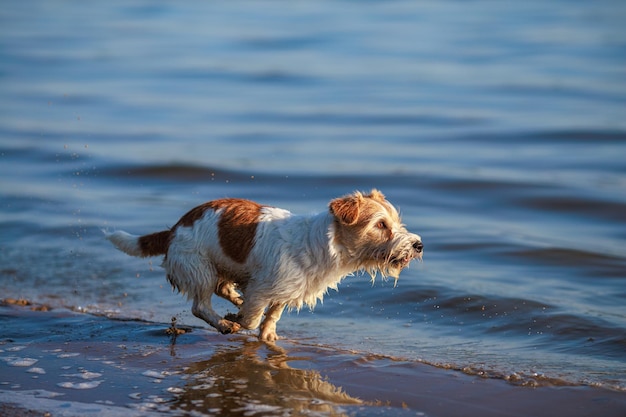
x: 62, y: 363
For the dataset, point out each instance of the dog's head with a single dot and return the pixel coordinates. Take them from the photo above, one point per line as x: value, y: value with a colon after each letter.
x: 370, y: 234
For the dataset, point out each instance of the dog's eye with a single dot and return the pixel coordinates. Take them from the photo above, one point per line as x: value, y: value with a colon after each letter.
x: 381, y: 225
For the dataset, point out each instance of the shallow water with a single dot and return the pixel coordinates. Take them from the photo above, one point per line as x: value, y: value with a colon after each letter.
x: 499, y: 130
x: 108, y: 367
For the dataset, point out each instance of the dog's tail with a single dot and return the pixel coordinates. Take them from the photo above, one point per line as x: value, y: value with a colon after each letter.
x: 143, y: 246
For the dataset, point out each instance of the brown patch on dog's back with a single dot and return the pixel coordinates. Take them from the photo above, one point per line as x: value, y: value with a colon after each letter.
x: 236, y: 227
x: 196, y: 213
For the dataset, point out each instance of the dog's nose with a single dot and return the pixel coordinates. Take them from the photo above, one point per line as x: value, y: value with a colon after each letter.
x: 418, y: 246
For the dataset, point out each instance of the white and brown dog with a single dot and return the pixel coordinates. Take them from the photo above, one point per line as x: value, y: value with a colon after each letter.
x: 264, y: 259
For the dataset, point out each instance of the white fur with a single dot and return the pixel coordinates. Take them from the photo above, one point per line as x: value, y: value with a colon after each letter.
x: 124, y: 241
x: 304, y: 259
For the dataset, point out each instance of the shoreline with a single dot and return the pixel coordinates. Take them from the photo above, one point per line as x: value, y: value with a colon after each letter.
x: 67, y: 363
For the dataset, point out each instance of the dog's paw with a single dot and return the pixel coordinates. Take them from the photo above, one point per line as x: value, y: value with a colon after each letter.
x: 269, y: 336
x: 232, y: 317
x: 228, y: 327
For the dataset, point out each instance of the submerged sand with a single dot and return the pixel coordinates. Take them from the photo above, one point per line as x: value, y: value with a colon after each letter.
x: 63, y: 363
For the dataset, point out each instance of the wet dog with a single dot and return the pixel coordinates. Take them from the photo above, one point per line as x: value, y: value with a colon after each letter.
x: 263, y: 259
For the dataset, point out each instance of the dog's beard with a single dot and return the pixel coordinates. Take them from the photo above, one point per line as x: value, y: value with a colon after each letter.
x: 389, y: 262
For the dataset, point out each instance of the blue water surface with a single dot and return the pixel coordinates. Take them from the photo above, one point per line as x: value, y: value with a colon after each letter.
x: 498, y: 129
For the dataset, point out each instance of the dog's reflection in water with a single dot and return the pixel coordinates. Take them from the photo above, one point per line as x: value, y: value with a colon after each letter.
x: 256, y: 379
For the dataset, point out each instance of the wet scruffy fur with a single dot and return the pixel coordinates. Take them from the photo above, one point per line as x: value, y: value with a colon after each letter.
x: 264, y: 258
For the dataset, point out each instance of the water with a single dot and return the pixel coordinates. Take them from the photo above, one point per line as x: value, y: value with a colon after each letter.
x: 498, y: 129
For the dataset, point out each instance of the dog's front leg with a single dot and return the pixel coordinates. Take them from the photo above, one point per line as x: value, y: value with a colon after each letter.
x: 203, y: 310
x: 268, y: 326
x: 251, y: 312
x: 227, y: 290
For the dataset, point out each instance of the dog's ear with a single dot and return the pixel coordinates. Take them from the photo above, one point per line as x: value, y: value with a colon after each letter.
x: 377, y: 195
x: 346, y: 209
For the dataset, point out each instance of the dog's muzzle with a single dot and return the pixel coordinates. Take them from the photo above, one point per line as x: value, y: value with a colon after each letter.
x: 418, y: 246
x: 404, y: 258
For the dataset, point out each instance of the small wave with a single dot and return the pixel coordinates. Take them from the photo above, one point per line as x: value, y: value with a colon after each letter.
x: 175, y: 172
x: 364, y: 119
x: 514, y: 377
x: 610, y: 136
x: 280, y: 43
x: 501, y: 319
x: 315, y: 184
x: 279, y: 77
x: 484, y: 185
x: 603, y: 265
x: 555, y: 136
x: 524, y: 379
x: 584, y: 207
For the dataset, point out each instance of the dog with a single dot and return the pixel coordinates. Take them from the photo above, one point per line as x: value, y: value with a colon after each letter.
x: 263, y: 259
